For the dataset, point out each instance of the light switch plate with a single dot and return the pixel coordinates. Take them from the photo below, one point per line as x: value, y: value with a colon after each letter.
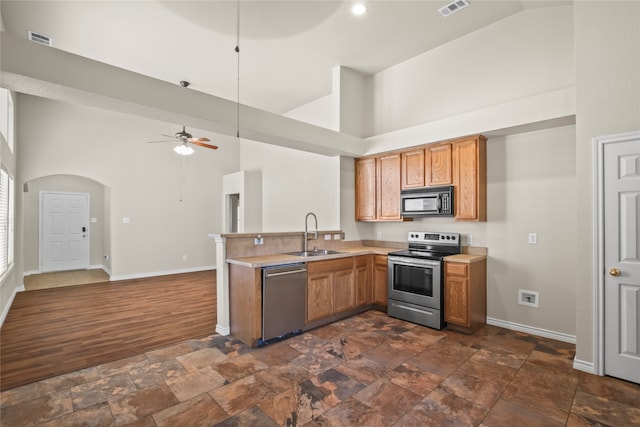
x: 94, y: 220
x: 533, y: 238
x: 126, y: 220
x: 327, y: 237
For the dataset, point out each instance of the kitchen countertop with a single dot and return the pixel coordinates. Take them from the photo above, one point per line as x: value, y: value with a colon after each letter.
x: 278, y: 259
x: 465, y: 258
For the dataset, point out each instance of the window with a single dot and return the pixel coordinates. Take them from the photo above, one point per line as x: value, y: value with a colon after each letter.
x: 6, y: 117
x: 6, y: 221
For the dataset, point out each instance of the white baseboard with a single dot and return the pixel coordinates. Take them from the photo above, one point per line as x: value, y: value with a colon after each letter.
x: 583, y: 366
x: 558, y: 336
x: 5, y: 312
x: 223, y: 330
x: 162, y: 273
x: 31, y: 272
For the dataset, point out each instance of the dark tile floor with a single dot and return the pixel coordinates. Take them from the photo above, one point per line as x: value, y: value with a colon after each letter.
x: 368, y: 370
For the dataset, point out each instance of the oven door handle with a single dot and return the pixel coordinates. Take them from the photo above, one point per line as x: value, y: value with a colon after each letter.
x: 412, y: 262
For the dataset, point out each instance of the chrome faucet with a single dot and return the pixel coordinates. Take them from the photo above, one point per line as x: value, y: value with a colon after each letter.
x: 306, y: 232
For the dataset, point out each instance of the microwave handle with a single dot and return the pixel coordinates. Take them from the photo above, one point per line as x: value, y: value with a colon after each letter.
x: 439, y: 203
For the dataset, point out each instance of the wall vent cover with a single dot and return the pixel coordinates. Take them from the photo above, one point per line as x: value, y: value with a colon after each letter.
x: 40, y: 38
x: 453, y: 7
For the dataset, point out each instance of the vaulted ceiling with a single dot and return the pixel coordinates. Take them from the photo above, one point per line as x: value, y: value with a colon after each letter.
x: 287, y: 48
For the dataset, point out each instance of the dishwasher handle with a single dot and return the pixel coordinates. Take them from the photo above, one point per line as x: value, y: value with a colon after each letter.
x: 284, y: 273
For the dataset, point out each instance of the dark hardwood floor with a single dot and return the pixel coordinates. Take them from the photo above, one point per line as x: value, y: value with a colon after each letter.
x: 54, y: 331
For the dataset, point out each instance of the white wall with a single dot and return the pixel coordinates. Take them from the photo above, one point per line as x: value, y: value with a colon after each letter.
x: 294, y: 183
x: 527, y: 54
x: 316, y: 112
x: 31, y: 220
x: 167, y: 219
x: 607, y: 45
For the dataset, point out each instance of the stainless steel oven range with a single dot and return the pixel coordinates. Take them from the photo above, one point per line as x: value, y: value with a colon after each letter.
x: 416, y: 278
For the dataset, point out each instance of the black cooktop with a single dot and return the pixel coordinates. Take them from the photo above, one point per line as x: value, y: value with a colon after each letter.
x: 430, y: 245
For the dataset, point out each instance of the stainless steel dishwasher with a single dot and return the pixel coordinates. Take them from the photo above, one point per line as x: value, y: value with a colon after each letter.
x: 284, y: 297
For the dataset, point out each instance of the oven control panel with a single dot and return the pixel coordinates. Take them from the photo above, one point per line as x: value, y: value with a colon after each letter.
x: 433, y: 237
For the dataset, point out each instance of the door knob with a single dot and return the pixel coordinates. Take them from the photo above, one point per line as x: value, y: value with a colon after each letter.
x: 614, y: 272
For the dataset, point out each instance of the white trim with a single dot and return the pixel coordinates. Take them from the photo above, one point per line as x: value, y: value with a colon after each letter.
x: 223, y: 330
x: 598, y: 243
x: 162, y: 273
x: 30, y: 272
x: 558, y: 336
x: 5, y: 312
x: 583, y: 366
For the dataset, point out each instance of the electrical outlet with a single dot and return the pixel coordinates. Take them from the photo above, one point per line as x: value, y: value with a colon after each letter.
x: 528, y: 298
x: 184, y: 257
x: 327, y: 237
x: 379, y: 235
x: 533, y: 238
x: 336, y: 237
x: 258, y: 240
x: 469, y: 239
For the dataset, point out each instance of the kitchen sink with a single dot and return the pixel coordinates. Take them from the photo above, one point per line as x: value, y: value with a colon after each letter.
x: 318, y: 252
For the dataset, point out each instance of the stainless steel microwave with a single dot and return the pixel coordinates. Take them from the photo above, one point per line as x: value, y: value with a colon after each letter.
x: 427, y: 201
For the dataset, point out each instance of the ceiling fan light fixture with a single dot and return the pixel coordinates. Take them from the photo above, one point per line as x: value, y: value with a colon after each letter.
x: 359, y: 9
x: 183, y: 150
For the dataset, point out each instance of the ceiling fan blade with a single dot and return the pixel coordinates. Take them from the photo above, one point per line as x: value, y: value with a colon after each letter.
x: 168, y: 136
x: 164, y: 140
x: 203, y: 139
x: 202, y: 144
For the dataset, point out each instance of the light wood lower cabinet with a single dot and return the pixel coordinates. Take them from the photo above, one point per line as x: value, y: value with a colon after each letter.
x: 245, y: 303
x: 380, y: 280
x: 363, y: 271
x: 330, y: 287
x: 465, y: 295
x: 333, y: 287
x: 319, y: 295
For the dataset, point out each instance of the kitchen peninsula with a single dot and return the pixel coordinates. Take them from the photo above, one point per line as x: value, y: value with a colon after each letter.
x: 352, y: 280
x: 347, y: 282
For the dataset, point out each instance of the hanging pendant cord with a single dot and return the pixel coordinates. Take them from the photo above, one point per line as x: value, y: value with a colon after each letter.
x: 238, y: 53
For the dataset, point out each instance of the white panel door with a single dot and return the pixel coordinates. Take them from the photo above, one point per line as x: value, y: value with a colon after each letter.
x: 622, y: 259
x: 64, y: 231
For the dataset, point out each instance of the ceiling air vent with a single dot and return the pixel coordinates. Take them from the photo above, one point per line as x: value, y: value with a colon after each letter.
x: 453, y: 7
x: 40, y: 38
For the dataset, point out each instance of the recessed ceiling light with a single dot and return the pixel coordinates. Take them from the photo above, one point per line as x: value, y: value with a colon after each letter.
x: 359, y: 9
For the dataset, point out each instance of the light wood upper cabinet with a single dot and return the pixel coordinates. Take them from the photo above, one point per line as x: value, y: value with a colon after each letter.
x: 388, y: 197
x: 461, y: 163
x: 378, y: 188
x: 366, y: 189
x: 413, y: 172
x: 470, y: 179
x: 438, y: 164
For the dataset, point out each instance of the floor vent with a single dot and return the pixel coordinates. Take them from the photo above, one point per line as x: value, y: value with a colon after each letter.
x: 40, y: 38
x: 453, y: 7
